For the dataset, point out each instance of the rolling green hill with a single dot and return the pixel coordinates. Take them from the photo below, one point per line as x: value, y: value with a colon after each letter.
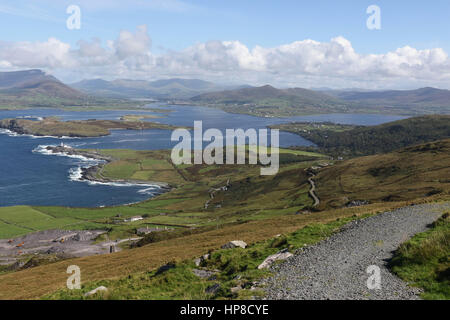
x: 341, y: 140
x: 414, y: 172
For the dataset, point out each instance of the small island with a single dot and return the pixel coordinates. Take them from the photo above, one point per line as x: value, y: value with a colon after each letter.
x: 76, y: 128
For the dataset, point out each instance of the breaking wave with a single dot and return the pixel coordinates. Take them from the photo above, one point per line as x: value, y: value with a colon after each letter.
x: 76, y: 173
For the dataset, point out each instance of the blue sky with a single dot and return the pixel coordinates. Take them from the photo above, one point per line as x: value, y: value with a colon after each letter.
x: 174, y: 25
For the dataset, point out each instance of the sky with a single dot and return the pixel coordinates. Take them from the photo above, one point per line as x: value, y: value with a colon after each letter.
x: 285, y: 43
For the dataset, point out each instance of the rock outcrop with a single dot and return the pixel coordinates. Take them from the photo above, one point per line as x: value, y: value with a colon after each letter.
x: 282, y: 255
x: 235, y: 244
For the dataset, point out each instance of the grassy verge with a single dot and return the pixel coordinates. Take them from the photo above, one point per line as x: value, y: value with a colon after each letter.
x: 231, y: 268
x: 424, y: 260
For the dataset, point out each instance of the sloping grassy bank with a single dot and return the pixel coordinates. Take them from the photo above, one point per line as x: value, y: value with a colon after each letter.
x: 424, y: 261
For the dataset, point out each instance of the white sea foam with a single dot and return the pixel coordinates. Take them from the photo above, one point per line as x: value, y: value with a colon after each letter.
x: 8, y: 132
x: 31, y: 117
x: 15, y: 134
x: 150, y: 191
x: 76, y: 173
x: 43, y: 150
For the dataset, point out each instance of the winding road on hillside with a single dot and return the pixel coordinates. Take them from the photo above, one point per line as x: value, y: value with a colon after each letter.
x: 336, y: 268
x: 312, y: 190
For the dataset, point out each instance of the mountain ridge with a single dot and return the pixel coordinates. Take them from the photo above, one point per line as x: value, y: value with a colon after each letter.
x: 269, y: 101
x: 174, y: 88
x: 33, y: 84
x: 420, y: 96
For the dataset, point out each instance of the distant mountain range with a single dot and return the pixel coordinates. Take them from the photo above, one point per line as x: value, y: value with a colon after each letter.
x: 160, y: 89
x: 421, y: 97
x: 35, y: 88
x: 270, y: 101
x: 31, y: 83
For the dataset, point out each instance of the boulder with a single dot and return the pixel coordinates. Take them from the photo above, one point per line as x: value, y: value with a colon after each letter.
x: 198, y: 261
x: 282, y: 255
x: 235, y: 244
x: 96, y: 290
x: 204, y: 274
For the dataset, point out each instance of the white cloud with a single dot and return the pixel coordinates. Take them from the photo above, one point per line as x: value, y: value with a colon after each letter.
x: 301, y: 63
x: 52, y: 54
x: 133, y: 44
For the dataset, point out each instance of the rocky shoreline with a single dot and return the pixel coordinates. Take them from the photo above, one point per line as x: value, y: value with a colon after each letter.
x: 91, y: 173
x: 13, y: 126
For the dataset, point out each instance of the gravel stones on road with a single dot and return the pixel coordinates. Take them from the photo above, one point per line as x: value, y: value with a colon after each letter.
x: 336, y: 268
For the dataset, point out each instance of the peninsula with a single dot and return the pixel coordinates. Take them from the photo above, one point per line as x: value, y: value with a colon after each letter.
x: 76, y: 128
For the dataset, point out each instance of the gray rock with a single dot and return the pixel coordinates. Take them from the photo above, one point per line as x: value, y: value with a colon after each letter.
x: 96, y: 290
x: 282, y: 255
x: 206, y: 256
x: 235, y: 244
x: 204, y: 274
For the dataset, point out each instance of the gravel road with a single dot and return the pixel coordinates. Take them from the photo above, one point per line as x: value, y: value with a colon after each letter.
x: 336, y: 267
